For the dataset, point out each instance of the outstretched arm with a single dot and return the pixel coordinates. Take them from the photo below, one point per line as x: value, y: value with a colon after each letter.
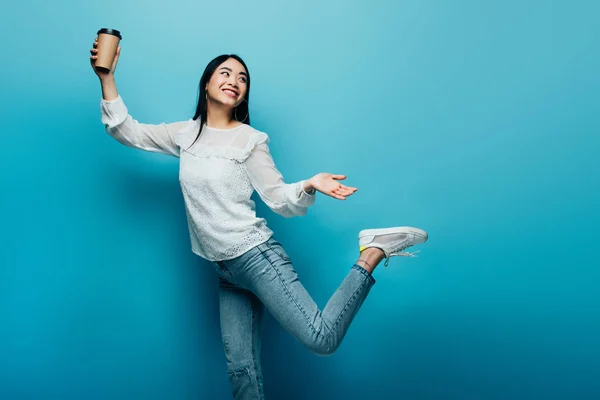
x: 289, y: 199
x: 286, y: 199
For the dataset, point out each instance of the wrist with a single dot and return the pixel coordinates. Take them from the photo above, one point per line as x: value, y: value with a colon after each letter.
x: 308, y: 187
x: 109, y: 88
x: 107, y: 79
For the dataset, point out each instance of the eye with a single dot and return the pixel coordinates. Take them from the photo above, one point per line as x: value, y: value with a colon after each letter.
x: 243, y: 79
x: 225, y: 72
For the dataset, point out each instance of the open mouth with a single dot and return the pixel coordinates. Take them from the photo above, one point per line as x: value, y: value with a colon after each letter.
x: 230, y: 92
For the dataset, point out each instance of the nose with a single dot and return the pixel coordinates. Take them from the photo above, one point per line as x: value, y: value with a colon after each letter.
x: 233, y: 81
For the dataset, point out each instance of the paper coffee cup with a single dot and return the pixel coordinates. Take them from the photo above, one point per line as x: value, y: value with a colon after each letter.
x: 108, y: 42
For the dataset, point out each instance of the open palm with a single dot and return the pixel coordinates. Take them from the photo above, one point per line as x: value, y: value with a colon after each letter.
x: 329, y: 184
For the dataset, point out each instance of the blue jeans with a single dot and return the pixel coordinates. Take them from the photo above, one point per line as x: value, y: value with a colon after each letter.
x: 264, y: 276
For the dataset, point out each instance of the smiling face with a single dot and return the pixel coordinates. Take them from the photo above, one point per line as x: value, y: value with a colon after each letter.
x: 228, y: 84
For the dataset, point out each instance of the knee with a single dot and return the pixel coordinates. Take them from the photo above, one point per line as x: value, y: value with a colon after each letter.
x: 326, y: 351
x: 243, y: 374
x: 236, y: 371
x: 322, y: 347
x: 246, y: 381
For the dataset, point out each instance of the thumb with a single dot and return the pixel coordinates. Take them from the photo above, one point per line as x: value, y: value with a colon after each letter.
x: 339, y: 177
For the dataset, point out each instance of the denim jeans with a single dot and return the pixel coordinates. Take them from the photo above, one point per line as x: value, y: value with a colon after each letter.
x: 264, y: 276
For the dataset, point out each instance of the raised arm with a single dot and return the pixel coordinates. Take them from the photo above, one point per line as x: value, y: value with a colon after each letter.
x: 120, y: 125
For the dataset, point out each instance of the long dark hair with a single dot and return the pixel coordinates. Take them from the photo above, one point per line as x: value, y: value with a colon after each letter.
x: 201, y: 108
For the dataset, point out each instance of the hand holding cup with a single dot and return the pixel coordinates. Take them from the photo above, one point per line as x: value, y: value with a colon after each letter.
x: 105, y: 52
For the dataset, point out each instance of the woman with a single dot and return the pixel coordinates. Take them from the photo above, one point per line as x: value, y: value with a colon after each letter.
x: 222, y: 161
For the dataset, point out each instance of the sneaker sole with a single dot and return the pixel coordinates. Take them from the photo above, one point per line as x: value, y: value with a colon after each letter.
x: 399, y: 229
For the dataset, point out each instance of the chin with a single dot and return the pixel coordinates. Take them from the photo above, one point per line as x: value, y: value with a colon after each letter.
x: 226, y: 101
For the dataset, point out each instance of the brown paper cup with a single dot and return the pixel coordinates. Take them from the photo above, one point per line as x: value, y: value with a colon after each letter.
x: 108, y: 42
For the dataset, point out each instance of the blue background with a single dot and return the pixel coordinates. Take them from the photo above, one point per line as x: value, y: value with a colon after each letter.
x: 477, y: 121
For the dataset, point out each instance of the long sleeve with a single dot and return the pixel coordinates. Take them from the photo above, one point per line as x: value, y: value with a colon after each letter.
x: 286, y: 199
x: 128, y: 131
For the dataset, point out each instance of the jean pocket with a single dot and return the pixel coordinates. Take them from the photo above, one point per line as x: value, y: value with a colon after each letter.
x: 278, y: 249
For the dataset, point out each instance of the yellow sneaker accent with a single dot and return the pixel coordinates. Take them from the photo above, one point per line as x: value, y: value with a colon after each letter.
x: 362, y: 248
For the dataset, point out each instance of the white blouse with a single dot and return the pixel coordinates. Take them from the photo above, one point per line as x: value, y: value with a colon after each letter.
x: 218, y: 174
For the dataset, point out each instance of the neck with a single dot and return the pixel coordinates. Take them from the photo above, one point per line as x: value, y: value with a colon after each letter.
x: 219, y: 116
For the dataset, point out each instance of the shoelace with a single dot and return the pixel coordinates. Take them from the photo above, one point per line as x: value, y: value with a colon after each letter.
x: 387, y: 255
x: 402, y: 254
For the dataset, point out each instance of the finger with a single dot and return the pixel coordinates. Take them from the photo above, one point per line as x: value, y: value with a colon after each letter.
x: 338, y: 197
x: 339, y: 177
x: 346, y: 187
x: 342, y: 193
x: 93, y: 51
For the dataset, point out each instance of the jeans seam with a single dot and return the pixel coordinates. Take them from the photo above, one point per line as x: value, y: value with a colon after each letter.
x: 364, y: 272
x: 260, y: 395
x: 225, y: 270
x: 275, y: 251
x: 327, y: 335
x: 354, y: 295
x: 287, y: 291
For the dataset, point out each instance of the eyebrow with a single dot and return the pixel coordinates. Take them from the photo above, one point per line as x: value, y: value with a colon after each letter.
x: 230, y: 70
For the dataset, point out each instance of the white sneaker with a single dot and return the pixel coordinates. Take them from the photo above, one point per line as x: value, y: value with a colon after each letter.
x: 392, y: 240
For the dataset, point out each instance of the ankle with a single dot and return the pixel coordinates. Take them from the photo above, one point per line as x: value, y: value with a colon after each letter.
x: 366, y: 265
x: 372, y: 254
x: 370, y: 258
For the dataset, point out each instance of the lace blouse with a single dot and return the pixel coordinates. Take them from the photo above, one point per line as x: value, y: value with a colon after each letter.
x: 217, y: 175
